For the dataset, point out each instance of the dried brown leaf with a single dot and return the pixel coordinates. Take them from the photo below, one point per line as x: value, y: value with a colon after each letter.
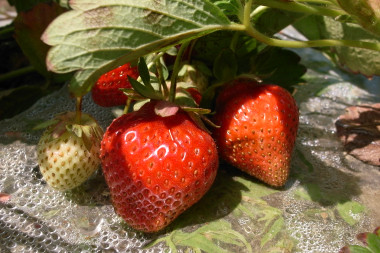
x: 359, y: 130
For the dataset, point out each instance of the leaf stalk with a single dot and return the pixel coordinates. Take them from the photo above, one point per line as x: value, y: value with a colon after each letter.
x: 176, y: 69
x: 78, y: 111
x: 251, y: 31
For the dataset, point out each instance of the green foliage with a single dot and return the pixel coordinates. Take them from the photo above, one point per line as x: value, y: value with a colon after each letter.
x: 25, y: 5
x: 225, y: 66
x: 127, y: 30
x: 370, y: 240
x: 366, y: 12
x: 29, y: 26
x: 279, y: 66
x: 349, y: 210
x: 356, y: 60
x: 232, y: 8
x: 26, y: 72
x: 230, y: 193
x: 271, y: 20
x: 273, y: 231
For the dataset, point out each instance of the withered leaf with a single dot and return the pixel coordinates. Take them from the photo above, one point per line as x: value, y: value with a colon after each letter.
x: 359, y: 130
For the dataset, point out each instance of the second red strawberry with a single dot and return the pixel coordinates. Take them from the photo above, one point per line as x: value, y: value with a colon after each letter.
x: 106, y: 91
x: 258, y: 128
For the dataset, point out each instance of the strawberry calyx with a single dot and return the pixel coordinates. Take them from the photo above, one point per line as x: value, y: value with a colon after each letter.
x: 165, y: 108
x: 88, y: 129
x: 179, y: 90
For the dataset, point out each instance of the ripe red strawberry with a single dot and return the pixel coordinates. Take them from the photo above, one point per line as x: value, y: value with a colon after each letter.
x: 106, y: 91
x: 195, y: 94
x: 258, y: 129
x: 68, y: 152
x: 156, y: 167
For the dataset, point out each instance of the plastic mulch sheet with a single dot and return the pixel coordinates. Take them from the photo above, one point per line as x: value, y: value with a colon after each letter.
x: 329, y: 198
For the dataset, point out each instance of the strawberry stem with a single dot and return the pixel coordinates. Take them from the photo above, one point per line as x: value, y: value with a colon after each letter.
x: 251, y: 31
x: 161, y: 77
x: 78, y: 110
x: 127, y: 105
x: 16, y: 73
x: 176, y: 68
x: 234, y: 41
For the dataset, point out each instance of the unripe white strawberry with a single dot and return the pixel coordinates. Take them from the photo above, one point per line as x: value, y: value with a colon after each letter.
x: 68, y: 152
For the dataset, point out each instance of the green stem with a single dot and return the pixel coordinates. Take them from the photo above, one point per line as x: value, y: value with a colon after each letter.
x: 303, y: 8
x: 250, y: 30
x: 247, y: 14
x: 323, y: 2
x: 127, y: 105
x: 234, y: 41
x: 7, y: 32
x: 161, y: 77
x: 176, y: 69
x: 78, y: 115
x: 16, y: 73
x: 311, y: 43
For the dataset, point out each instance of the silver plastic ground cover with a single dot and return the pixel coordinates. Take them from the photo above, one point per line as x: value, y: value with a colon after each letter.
x: 329, y: 198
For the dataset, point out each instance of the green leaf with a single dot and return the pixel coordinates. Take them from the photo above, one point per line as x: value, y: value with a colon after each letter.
x: 278, y: 66
x: 302, y: 157
x: 202, y: 243
x: 310, y: 27
x: 358, y: 249
x: 144, y: 72
x: 311, y: 193
x: 46, y: 124
x: 373, y: 242
x: 184, y: 99
x: 229, y: 7
x: 271, y: 20
x: 225, y: 65
x: 143, y: 90
x: 207, y: 237
x: 23, y: 5
x: 98, y: 36
x: 20, y: 99
x: 366, y: 12
x: 29, y: 26
x: 273, y: 231
x: 255, y: 190
x: 350, y: 211
x: 356, y: 60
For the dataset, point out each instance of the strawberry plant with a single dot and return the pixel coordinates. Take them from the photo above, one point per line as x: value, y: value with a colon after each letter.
x: 195, y: 57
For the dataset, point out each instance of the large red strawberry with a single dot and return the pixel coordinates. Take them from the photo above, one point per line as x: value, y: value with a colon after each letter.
x: 258, y: 127
x: 156, y: 167
x: 106, y: 91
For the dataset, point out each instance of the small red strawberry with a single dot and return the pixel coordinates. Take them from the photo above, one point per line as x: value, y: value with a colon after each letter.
x: 195, y: 94
x: 106, y: 91
x: 258, y: 127
x: 156, y: 167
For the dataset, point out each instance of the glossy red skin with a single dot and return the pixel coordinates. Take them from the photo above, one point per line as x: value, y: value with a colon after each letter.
x: 258, y: 129
x: 156, y: 167
x: 195, y: 94
x: 106, y: 91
